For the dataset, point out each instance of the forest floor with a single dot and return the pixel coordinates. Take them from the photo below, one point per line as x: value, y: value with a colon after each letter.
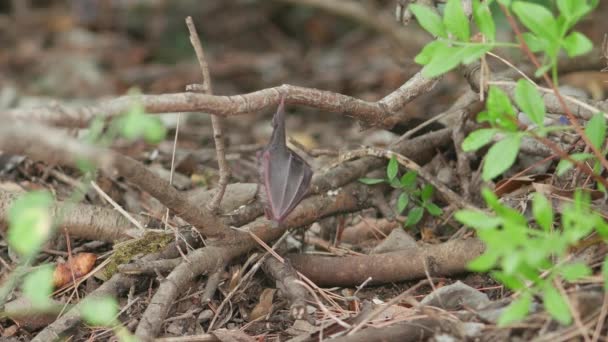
x: 347, y: 266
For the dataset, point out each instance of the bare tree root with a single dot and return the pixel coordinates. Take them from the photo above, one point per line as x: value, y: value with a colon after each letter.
x: 285, y: 277
x: 380, y: 113
x: 85, y: 221
x: 439, y: 260
x: 348, y: 199
x: 50, y: 145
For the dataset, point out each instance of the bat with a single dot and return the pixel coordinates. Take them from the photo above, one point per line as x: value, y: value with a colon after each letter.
x: 285, y: 175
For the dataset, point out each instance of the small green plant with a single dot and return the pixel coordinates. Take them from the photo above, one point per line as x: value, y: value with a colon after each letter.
x: 420, y: 198
x: 528, y: 258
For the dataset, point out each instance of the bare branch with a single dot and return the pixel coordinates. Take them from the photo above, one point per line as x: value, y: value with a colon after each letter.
x: 381, y: 113
x: 216, y: 121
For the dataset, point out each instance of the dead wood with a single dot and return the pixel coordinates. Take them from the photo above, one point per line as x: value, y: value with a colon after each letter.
x: 50, y: 145
x: 439, y: 260
x: 85, y: 221
x: 381, y: 113
x: 348, y: 199
x: 216, y: 121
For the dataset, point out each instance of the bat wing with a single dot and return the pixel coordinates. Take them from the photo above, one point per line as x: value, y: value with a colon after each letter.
x: 286, y: 180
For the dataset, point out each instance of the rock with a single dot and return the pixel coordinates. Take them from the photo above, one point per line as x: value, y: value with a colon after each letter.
x: 456, y: 296
x: 398, y: 240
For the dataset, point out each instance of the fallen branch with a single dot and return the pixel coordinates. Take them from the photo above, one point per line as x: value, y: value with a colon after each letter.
x: 348, y: 199
x: 380, y: 113
x: 441, y: 260
x: 85, y: 221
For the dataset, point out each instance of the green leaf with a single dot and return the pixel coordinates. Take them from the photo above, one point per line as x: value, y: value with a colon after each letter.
x: 605, y: 274
x: 38, y: 286
x: 483, y: 19
x: 414, y: 216
x: 506, y: 3
x: 371, y: 181
x: 568, y: 7
x: 130, y: 124
x: 498, y: 102
x: 501, y: 157
x: 392, y: 168
x: 477, y: 219
x: 429, y: 51
x: 477, y: 139
x: 408, y: 180
x: 395, y: 183
x: 543, y: 211
x: 100, y: 311
x: 442, y: 61
x: 577, y: 44
x: 537, y: 19
x: 510, y: 281
x: 510, y: 264
x: 596, y: 130
x: 433, y: 209
x: 84, y: 165
x: 402, y: 202
x: 516, y: 311
x: 573, y: 9
x: 530, y: 102
x: 565, y: 165
x: 535, y: 43
x: 427, y: 192
x: 154, y: 130
x: 472, y: 53
x: 446, y: 58
x: 455, y: 20
x: 500, y: 110
x: 30, y: 222
x: 484, y: 262
x: 556, y: 305
x: 429, y: 20
x: 574, y: 271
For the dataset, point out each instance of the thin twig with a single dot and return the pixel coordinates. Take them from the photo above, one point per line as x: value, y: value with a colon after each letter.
x: 381, y: 309
x: 447, y: 193
x: 245, y: 277
x: 179, y: 116
x: 116, y: 206
x: 601, y: 320
x: 216, y: 121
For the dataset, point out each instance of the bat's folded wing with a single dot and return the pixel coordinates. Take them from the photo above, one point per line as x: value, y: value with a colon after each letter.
x: 286, y: 180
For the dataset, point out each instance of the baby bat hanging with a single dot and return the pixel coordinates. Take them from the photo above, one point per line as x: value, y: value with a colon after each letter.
x: 285, y: 175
